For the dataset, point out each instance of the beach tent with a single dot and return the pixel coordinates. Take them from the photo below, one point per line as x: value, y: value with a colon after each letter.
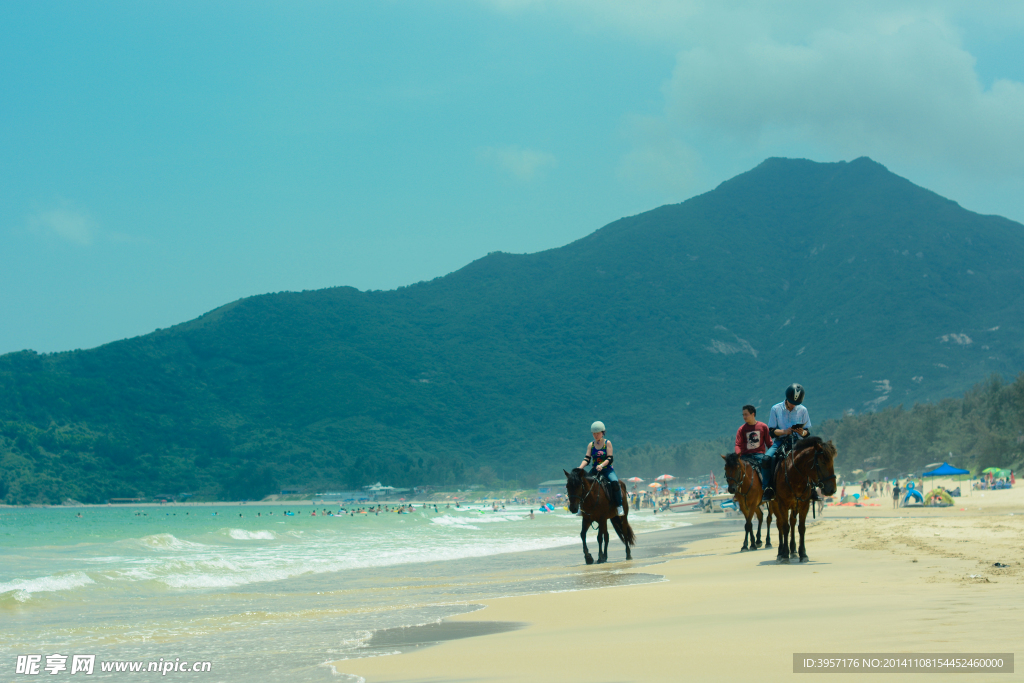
x: 915, y: 494
x: 938, y: 498
x: 945, y: 470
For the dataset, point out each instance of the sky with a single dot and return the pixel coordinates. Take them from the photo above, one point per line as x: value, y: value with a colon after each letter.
x: 161, y: 159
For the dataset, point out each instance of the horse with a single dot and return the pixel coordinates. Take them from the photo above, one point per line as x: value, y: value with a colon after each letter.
x: 589, y: 495
x: 808, y: 465
x: 739, y: 472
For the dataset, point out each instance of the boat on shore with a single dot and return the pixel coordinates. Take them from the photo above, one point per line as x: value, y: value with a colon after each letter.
x: 685, y: 506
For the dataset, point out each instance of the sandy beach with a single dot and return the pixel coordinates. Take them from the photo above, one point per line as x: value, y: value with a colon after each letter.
x: 880, y: 580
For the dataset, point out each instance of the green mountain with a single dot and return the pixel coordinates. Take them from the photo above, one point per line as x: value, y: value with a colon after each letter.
x: 868, y: 290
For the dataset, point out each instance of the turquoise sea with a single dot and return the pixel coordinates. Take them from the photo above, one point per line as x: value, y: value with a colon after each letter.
x: 256, y: 592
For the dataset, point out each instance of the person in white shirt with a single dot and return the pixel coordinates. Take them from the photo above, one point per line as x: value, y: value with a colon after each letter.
x: 788, y: 422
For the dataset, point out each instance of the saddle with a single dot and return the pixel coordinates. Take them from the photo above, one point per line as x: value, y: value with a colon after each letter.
x: 609, y: 487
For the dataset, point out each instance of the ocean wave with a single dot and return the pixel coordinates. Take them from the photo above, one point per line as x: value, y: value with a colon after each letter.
x: 22, y: 589
x: 491, y: 518
x: 454, y: 522
x: 243, y: 535
x: 167, y: 542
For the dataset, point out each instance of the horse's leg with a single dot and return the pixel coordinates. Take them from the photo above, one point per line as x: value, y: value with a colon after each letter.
x: 803, y: 527
x: 583, y: 535
x: 782, y: 522
x: 624, y: 526
x: 792, y: 531
x: 760, y: 519
x: 768, y: 529
x: 754, y: 495
x: 602, y: 542
x: 748, y: 530
x: 607, y: 540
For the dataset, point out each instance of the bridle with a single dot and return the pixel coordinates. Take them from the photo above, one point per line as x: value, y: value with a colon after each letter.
x: 816, y: 466
x: 588, y: 489
x: 737, y: 484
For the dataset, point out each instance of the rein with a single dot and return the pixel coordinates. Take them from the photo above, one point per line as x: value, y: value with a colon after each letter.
x: 820, y: 477
x: 739, y: 484
x: 583, y: 485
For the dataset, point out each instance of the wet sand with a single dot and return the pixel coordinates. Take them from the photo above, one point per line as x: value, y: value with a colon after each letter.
x: 879, y: 580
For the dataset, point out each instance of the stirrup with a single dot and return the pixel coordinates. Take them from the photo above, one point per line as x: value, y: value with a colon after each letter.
x: 621, y: 512
x: 768, y: 494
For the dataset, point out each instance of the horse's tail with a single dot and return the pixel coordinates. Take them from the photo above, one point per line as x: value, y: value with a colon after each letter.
x: 624, y: 530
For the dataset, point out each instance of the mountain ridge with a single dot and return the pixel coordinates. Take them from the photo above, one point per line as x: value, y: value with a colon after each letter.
x: 864, y: 287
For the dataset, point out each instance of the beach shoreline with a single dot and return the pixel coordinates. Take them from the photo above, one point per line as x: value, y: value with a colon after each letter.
x: 879, y: 580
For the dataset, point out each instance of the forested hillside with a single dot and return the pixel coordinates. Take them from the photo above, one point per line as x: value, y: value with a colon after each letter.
x: 984, y: 428
x: 867, y: 289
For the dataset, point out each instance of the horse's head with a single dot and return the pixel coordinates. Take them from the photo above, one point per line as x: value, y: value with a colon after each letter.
x: 824, y: 459
x: 574, y: 488
x: 733, y: 472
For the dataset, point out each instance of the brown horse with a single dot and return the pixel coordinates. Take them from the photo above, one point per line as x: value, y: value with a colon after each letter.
x: 589, y: 495
x: 808, y: 465
x: 745, y: 483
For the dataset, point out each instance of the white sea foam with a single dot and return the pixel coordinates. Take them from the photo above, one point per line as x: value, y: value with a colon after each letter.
x: 243, y: 535
x: 24, y: 588
x: 168, y: 542
x: 227, y: 557
x: 457, y: 522
x: 491, y: 518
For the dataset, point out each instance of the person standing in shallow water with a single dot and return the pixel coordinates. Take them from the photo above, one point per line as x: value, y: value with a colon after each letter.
x: 599, y: 456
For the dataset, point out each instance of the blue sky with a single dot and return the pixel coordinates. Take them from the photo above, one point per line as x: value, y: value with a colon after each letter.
x: 158, y: 160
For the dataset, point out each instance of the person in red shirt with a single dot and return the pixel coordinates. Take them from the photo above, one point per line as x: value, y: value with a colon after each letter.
x: 752, y: 438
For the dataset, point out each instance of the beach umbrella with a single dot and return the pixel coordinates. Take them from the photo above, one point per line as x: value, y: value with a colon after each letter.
x: 664, y: 477
x: 655, y: 485
x: 635, y: 480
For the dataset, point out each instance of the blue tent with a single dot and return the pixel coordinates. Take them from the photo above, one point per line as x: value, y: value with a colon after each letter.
x: 945, y: 470
x: 915, y: 494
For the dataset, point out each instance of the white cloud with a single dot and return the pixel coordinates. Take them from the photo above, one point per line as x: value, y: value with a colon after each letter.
x: 68, y: 224
x: 908, y: 91
x: 891, y: 79
x: 521, y: 163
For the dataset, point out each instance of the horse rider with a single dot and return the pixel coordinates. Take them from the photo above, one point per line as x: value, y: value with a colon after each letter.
x: 752, y: 438
x: 788, y: 422
x: 599, y: 456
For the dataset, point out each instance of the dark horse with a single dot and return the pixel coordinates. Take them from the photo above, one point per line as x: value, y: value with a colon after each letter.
x: 808, y: 465
x: 745, y: 483
x: 589, y: 495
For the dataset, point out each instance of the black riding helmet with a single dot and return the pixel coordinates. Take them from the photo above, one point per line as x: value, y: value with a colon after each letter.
x: 795, y: 394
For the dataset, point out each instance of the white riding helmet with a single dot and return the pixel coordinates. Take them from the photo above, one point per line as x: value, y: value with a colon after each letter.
x: 597, y: 427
